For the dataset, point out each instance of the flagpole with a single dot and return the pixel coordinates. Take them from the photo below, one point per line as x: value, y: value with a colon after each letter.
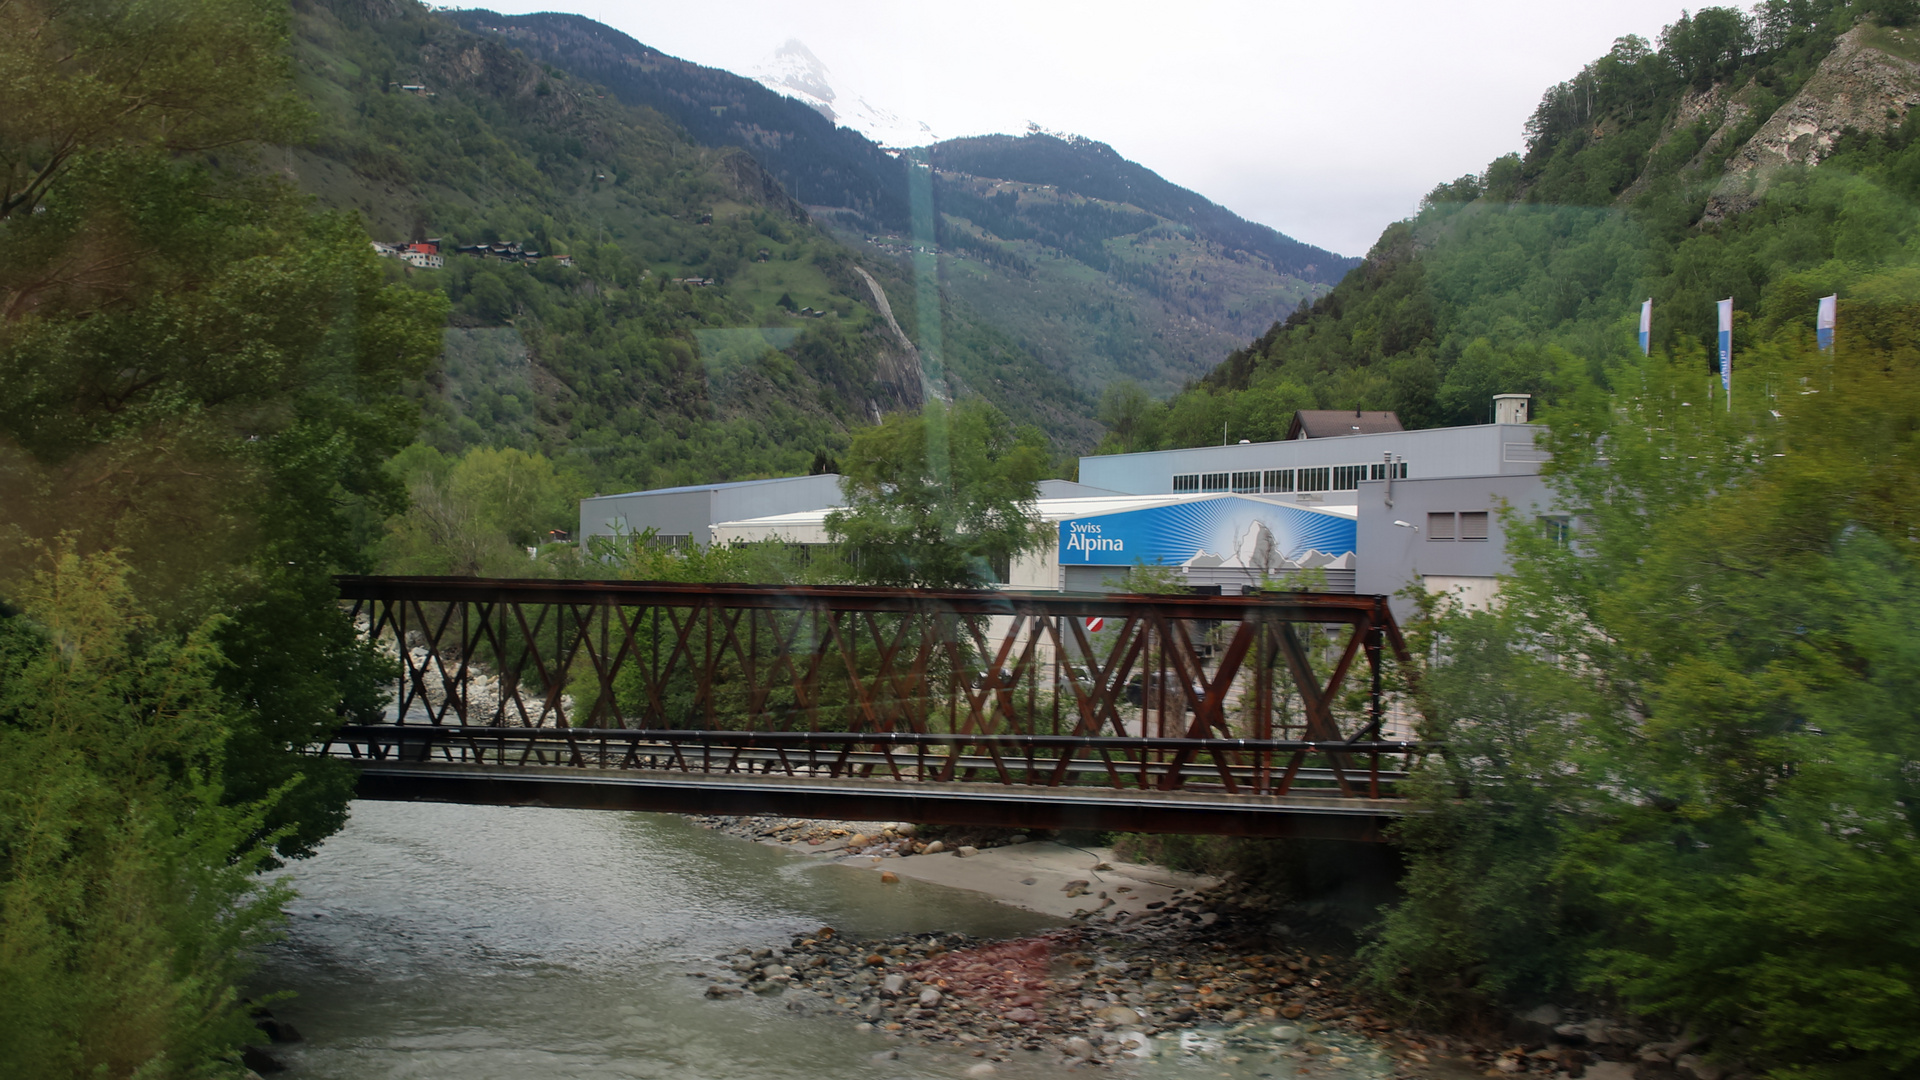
x: 1726, y: 349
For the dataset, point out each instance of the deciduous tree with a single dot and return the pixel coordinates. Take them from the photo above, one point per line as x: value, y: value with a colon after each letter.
x: 941, y: 499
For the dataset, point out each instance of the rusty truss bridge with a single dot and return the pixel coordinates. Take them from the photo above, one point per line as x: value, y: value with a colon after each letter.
x: 1193, y: 714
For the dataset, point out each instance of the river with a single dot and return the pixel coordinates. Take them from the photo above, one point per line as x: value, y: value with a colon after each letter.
x: 489, y: 943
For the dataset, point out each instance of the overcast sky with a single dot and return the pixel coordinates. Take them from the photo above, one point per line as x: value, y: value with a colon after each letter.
x: 1324, y: 120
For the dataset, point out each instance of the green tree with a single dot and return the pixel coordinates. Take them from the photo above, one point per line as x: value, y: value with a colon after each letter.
x: 478, y: 515
x: 127, y: 887
x: 1130, y: 417
x: 942, y: 499
x: 1687, y: 736
x: 199, y: 372
x: 177, y: 78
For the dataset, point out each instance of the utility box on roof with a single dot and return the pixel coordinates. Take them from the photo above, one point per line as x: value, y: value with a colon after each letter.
x: 1510, y: 408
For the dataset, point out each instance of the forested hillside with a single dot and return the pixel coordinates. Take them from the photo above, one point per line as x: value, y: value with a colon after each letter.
x: 1058, y: 250
x: 819, y: 164
x: 1101, y: 268
x: 1767, y: 157
x: 1679, y: 796
x: 1095, y: 170
x: 609, y: 363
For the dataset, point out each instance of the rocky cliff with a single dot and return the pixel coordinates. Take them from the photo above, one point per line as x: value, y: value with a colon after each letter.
x: 1867, y: 84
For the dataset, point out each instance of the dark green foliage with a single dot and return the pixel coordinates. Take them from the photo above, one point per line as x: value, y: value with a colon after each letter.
x: 1686, y: 740
x: 127, y: 887
x: 478, y: 515
x: 206, y: 376
x: 1484, y: 919
x: 941, y: 500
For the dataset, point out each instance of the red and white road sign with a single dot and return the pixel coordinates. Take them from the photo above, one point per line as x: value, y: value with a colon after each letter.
x: 1095, y: 623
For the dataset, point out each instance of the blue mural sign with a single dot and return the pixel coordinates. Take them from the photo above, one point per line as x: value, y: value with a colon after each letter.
x: 1236, y: 531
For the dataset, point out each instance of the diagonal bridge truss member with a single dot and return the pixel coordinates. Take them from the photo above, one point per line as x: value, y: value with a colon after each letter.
x: 1236, y: 695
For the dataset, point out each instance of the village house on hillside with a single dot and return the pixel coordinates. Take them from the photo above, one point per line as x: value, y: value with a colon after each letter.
x: 512, y: 251
x: 427, y: 255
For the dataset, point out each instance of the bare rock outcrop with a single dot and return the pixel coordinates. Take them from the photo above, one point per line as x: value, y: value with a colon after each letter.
x: 902, y: 375
x: 1860, y: 86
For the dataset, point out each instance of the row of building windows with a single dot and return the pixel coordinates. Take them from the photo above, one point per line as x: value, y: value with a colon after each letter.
x: 1282, y: 481
x: 1463, y: 525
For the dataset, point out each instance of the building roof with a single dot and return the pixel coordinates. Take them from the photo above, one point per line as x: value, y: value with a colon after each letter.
x: 1072, y: 489
x: 716, y: 487
x: 1327, y: 423
x: 1056, y: 510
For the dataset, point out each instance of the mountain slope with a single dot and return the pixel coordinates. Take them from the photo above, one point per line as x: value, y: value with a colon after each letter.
x: 1103, y: 270
x: 818, y: 163
x: 1098, y: 268
x: 1096, y: 171
x: 1772, y: 158
x: 609, y: 363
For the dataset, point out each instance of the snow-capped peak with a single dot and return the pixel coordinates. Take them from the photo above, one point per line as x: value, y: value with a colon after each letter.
x: 793, y: 70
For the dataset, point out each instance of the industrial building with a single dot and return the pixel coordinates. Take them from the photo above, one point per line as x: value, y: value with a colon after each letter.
x: 1352, y: 501
x: 1231, y: 541
x: 686, y: 515
x: 1426, y: 503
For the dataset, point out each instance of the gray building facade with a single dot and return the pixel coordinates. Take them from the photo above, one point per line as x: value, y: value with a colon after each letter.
x: 1446, y: 534
x: 687, y: 514
x: 1321, y: 470
x: 1427, y: 504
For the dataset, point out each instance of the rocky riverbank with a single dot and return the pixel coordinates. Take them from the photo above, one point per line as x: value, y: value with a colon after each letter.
x: 1154, y: 963
x: 1071, y: 997
x: 1157, y: 963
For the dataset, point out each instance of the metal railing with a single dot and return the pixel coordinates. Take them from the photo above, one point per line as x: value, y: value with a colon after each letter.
x: 1235, y: 766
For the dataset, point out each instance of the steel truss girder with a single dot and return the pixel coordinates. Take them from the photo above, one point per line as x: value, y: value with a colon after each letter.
x: 978, y: 667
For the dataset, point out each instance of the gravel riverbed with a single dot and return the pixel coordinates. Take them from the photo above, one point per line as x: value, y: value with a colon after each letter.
x: 1199, y: 974
x: 1165, y: 964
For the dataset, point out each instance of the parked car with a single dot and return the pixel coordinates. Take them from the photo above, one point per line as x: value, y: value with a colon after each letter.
x: 1141, y: 687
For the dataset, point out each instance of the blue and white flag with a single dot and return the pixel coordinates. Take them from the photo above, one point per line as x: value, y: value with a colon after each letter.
x: 1646, y: 327
x: 1823, y: 323
x: 1726, y: 348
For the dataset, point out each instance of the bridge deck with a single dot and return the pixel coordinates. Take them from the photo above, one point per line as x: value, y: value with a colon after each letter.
x: 1219, y: 786
x: 1185, y: 810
